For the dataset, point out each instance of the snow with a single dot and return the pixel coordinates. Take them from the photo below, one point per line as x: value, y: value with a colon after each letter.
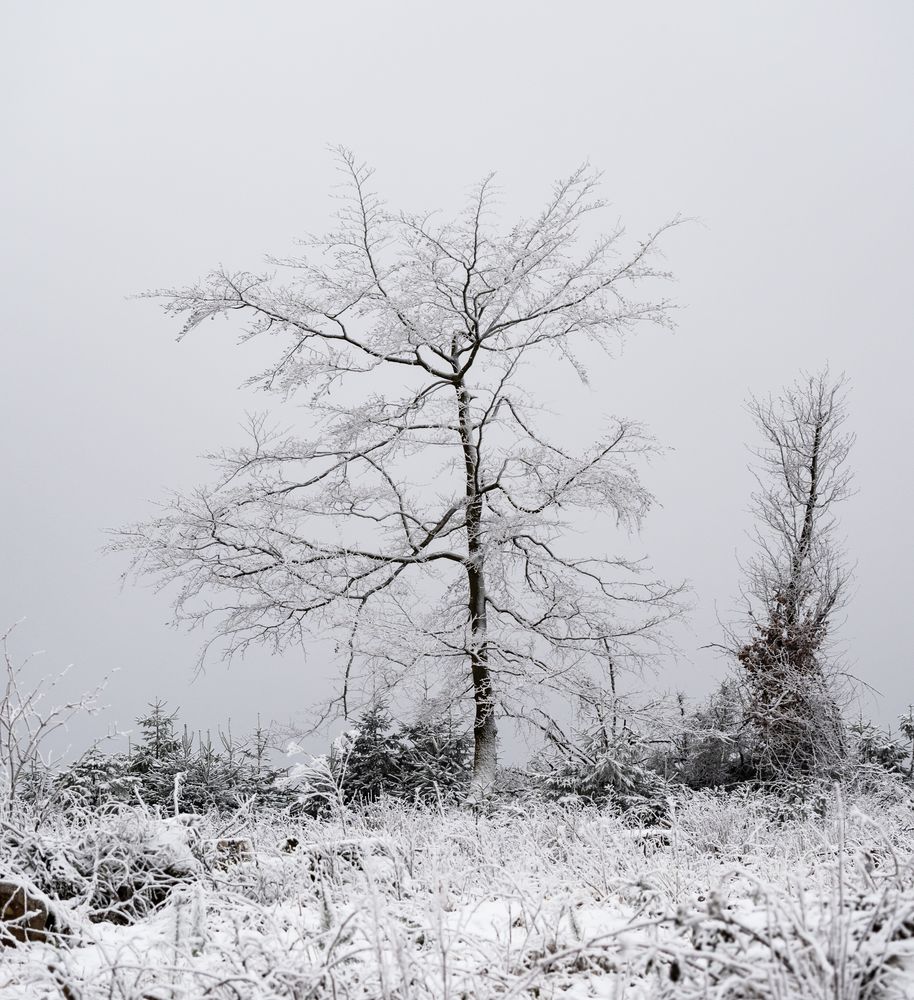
x: 730, y: 901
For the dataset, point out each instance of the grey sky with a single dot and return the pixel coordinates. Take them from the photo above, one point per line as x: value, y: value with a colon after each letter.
x: 144, y: 144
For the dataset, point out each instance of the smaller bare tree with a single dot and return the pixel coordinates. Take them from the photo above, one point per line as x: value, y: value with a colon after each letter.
x: 797, y: 579
x: 28, y: 722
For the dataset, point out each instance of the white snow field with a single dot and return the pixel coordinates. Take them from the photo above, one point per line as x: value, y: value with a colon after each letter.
x: 737, y: 896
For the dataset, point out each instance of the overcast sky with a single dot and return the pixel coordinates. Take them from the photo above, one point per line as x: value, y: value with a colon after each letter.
x: 145, y: 143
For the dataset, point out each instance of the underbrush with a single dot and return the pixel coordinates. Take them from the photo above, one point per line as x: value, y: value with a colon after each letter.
x: 731, y: 896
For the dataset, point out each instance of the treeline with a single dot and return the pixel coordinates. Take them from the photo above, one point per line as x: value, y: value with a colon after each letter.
x: 629, y: 757
x: 170, y: 766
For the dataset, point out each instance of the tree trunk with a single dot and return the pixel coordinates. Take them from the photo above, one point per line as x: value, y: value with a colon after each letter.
x: 804, y: 545
x: 485, y: 733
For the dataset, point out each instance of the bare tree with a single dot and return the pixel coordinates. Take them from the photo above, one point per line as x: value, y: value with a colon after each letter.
x: 797, y: 580
x: 424, y: 521
x: 28, y: 723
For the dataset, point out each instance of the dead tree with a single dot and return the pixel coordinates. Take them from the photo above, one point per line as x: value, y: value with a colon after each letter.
x: 797, y: 580
x: 423, y: 520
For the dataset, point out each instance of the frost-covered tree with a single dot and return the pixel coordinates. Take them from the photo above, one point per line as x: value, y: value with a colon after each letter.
x: 29, y: 721
x: 421, y: 517
x: 797, y: 579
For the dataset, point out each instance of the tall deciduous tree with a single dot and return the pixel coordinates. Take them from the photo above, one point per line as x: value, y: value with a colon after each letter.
x: 423, y: 520
x: 797, y: 580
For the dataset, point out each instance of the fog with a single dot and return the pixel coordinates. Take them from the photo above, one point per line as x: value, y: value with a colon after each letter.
x: 144, y: 144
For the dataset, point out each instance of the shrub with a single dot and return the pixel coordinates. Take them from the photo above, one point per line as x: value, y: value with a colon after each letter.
x: 167, y: 769
x: 876, y: 747
x: 423, y: 761
x: 711, y: 747
x: 605, y: 769
x: 435, y: 761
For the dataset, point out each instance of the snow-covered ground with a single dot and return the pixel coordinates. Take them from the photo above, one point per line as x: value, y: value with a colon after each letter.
x: 736, y: 897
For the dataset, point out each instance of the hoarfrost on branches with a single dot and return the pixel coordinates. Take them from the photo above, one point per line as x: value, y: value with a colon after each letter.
x: 423, y: 522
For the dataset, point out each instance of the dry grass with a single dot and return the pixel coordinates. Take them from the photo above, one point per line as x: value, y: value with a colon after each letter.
x: 739, y: 897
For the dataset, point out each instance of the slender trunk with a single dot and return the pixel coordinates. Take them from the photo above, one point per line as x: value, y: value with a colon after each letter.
x: 485, y: 734
x: 812, y: 498
x: 804, y: 544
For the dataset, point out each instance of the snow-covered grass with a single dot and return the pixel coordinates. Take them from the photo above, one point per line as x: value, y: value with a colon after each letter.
x: 738, y: 896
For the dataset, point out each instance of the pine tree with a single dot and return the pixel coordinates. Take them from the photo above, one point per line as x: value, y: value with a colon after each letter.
x: 435, y: 762
x: 372, y: 763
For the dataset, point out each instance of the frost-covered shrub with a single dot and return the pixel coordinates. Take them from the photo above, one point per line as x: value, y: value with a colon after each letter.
x: 202, y: 773
x: 95, y: 779
x: 423, y: 761
x: 877, y: 748
x: 725, y: 823
x: 30, y: 715
x: 114, y: 865
x: 317, y: 784
x: 435, y: 761
x: 710, y: 746
x: 605, y: 770
x: 43, y: 857
x: 131, y: 861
